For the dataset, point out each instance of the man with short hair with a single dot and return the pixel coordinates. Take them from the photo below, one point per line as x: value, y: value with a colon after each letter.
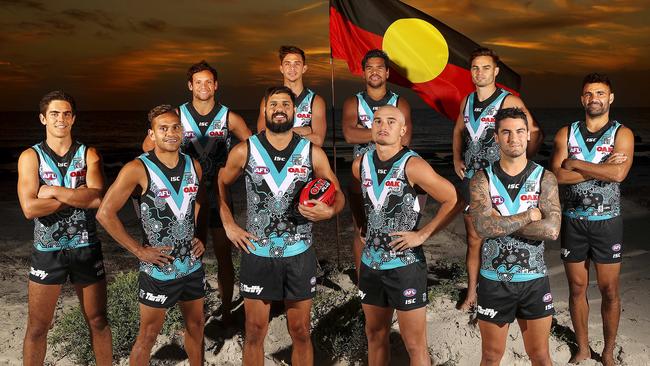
x: 474, y: 144
x: 393, y: 273
x: 208, y: 129
x: 515, y: 207
x: 309, y: 121
x: 592, y: 157
x: 279, y: 262
x: 170, y: 256
x: 358, y: 112
x: 60, y: 183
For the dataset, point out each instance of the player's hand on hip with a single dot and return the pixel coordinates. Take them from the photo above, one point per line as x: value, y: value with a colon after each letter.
x: 158, y: 256
x: 240, y: 237
x: 406, y: 239
x: 319, y: 211
x: 198, y: 248
x: 459, y: 168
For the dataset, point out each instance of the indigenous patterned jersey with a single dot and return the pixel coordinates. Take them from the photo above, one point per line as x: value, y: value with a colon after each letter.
x: 304, y: 104
x: 366, y: 108
x: 480, y: 148
x: 274, y: 180
x: 167, y: 214
x: 512, y: 258
x: 592, y: 199
x: 391, y: 205
x: 206, y: 138
x: 71, y: 227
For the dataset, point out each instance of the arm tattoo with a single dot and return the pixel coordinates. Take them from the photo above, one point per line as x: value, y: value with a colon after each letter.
x: 549, y: 203
x: 487, y: 223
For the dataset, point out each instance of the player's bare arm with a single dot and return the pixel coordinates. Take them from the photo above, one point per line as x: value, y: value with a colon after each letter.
x: 131, y: 176
x: 28, y: 187
x: 87, y: 196
x: 238, y: 126
x: 548, y: 228
x: 457, y: 142
x: 352, y: 133
x: 227, y: 176
x: 560, y: 154
x: 488, y: 223
x: 421, y: 174
x: 198, y: 247
x: 318, y: 127
x: 616, y: 167
x: 320, y: 211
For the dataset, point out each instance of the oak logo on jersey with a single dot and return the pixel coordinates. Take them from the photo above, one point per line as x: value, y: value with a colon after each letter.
x: 217, y: 133
x: 529, y: 197
x: 605, y: 149
x: 191, y: 188
x: 299, y: 171
x: 78, y: 173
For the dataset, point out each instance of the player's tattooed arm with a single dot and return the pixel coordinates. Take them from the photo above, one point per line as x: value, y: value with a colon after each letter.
x: 488, y: 223
x: 547, y: 228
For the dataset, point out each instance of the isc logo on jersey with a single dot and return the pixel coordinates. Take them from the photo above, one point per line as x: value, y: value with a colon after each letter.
x: 497, y: 200
x: 163, y: 193
x: 299, y: 171
x: 261, y: 170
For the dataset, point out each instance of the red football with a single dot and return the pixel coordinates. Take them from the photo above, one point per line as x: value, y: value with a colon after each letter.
x: 318, y: 189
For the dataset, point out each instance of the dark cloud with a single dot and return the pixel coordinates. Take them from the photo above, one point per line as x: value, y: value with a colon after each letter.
x: 29, y: 4
x: 98, y: 17
x: 151, y: 25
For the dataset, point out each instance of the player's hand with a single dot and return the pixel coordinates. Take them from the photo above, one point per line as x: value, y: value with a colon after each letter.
x: 616, y: 158
x: 197, y: 247
x: 535, y: 214
x: 459, y: 168
x: 46, y: 191
x: 158, y: 256
x: 319, y: 211
x: 240, y: 237
x: 568, y: 164
x: 406, y: 239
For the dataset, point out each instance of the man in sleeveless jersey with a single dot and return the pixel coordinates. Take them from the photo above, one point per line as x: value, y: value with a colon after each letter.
x: 393, y: 273
x: 208, y: 128
x: 278, y: 262
x: 358, y: 111
x: 60, y: 183
x: 591, y: 158
x: 474, y: 144
x: 309, y: 120
x: 170, y: 256
x: 515, y: 207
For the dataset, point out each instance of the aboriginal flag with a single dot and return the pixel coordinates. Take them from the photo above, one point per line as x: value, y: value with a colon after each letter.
x: 426, y: 55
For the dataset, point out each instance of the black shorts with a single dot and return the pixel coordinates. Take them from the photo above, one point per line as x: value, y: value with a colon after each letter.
x: 402, y: 288
x: 83, y: 265
x: 275, y: 279
x: 600, y: 241
x: 165, y: 294
x: 501, y: 302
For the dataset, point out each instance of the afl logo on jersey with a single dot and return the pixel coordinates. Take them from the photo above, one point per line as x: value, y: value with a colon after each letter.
x: 163, y: 193
x: 78, y: 173
x: 49, y: 175
x: 575, y: 150
x: 367, y: 182
x: 364, y: 118
x: 261, y: 170
x: 189, y: 134
x: 497, y: 200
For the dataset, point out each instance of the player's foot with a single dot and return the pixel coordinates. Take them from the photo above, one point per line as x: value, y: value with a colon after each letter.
x: 580, y: 356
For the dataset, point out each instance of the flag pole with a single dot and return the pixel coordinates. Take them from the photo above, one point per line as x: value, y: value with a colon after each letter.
x: 333, y: 111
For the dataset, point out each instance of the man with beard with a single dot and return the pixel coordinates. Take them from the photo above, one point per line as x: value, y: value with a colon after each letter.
x: 393, y: 273
x: 208, y: 126
x: 515, y: 207
x: 309, y: 121
x: 170, y: 266
x: 592, y: 157
x: 278, y: 263
x: 474, y: 144
x: 60, y: 183
x: 358, y: 113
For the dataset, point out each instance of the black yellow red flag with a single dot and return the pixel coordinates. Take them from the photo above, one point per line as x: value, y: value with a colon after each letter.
x: 426, y: 55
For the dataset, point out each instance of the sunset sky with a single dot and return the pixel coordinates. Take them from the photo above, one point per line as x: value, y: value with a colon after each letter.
x: 131, y: 55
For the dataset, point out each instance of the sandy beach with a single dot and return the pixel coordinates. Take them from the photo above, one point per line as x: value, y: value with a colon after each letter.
x: 453, y: 338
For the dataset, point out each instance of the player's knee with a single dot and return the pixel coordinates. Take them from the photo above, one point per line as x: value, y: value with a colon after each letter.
x: 148, y: 335
x: 578, y: 288
x: 377, y: 334
x: 97, y: 322
x: 415, y: 345
x: 195, y: 326
x: 492, y: 354
x: 299, y: 331
x: 539, y: 356
x: 37, y: 330
x: 256, y: 331
x: 609, y: 292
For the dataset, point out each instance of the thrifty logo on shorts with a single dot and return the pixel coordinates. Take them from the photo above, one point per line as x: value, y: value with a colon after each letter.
x: 362, y: 294
x: 251, y: 289
x: 153, y: 298
x: 487, y: 312
x: 38, y: 273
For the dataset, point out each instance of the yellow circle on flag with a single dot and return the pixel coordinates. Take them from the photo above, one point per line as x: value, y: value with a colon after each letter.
x: 417, y: 48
